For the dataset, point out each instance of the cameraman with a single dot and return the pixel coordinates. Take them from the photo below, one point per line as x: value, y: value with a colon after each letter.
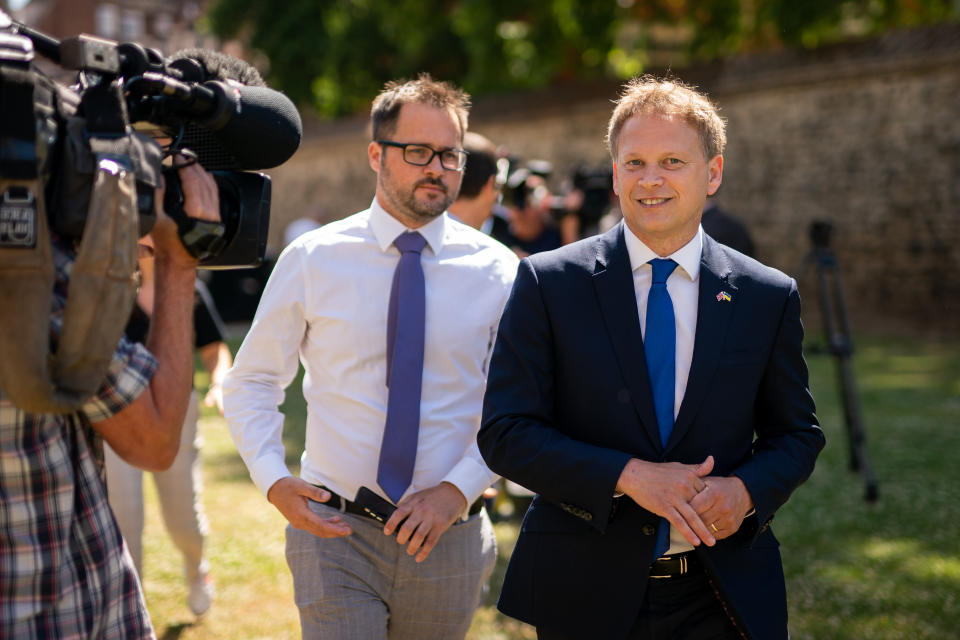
x: 64, y: 570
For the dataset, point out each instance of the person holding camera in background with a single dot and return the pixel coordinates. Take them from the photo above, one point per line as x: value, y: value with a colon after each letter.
x: 64, y: 570
x: 179, y: 488
x: 528, y: 202
x: 393, y: 312
x: 79, y: 185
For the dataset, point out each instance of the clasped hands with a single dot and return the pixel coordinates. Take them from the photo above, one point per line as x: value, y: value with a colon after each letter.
x: 703, y: 508
x: 419, y: 521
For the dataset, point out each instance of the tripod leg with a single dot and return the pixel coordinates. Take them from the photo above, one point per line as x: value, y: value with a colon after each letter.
x: 837, y: 341
x: 837, y: 328
x: 859, y: 460
x: 855, y: 430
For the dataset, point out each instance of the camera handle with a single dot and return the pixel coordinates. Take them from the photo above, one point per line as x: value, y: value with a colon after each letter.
x: 201, y: 238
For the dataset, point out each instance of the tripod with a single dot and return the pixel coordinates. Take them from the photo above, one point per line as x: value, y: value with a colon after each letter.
x: 836, y: 328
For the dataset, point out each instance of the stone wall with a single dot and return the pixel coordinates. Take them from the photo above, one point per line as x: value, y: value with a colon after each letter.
x: 864, y: 135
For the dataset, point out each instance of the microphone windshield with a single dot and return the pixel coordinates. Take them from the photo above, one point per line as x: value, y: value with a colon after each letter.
x: 263, y: 131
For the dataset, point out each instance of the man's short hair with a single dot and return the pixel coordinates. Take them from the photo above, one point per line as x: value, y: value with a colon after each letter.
x: 649, y: 95
x: 423, y: 90
x: 481, y: 164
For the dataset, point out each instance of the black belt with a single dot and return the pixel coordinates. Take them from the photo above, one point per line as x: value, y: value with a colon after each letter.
x: 675, y: 565
x: 342, y: 504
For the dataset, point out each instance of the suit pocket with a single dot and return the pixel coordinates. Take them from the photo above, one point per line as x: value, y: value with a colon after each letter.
x: 545, y: 517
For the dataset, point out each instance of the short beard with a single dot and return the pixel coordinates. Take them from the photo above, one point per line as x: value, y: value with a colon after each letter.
x: 406, y: 201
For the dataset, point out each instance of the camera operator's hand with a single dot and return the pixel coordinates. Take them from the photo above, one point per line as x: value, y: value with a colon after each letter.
x: 201, y: 201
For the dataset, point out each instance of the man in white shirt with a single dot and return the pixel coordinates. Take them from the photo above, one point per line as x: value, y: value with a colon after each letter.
x: 417, y: 573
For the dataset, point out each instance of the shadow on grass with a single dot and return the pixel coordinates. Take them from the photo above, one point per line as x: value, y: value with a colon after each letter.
x: 174, y: 631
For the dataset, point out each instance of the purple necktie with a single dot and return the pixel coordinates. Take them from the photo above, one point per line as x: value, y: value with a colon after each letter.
x: 405, y: 338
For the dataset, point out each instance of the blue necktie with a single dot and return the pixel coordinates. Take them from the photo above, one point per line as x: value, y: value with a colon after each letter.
x: 405, y: 340
x: 660, y: 347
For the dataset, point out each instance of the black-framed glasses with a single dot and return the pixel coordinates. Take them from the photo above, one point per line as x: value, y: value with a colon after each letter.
x: 421, y: 155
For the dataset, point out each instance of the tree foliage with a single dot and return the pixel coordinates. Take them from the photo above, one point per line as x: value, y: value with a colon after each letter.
x: 336, y: 54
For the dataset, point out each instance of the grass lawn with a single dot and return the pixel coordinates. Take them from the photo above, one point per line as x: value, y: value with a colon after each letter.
x: 887, y: 570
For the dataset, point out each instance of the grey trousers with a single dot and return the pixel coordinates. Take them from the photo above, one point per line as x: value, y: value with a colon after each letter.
x: 365, y: 587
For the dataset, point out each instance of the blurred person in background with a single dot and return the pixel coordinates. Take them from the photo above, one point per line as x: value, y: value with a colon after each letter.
x: 528, y: 202
x: 480, y: 189
x: 726, y: 228
x: 588, y: 199
x: 179, y: 488
x: 312, y: 220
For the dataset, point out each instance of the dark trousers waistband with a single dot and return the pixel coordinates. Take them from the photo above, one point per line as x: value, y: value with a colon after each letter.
x: 675, y: 565
x: 342, y: 504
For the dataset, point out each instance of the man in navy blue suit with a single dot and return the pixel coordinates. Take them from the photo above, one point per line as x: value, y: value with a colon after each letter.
x: 649, y: 385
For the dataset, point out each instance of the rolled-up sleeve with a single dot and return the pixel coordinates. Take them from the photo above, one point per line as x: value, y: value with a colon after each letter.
x: 127, y: 377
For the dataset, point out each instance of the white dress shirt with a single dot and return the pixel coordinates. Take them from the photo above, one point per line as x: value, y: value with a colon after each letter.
x: 683, y: 285
x: 326, y: 302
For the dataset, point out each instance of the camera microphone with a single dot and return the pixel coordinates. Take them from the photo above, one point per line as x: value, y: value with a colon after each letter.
x: 233, y: 126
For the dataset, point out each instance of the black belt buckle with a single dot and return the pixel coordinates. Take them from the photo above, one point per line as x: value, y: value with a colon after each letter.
x: 375, y: 506
x: 673, y: 566
x: 372, y: 506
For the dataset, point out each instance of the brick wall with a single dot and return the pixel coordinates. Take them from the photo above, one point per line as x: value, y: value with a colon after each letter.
x: 864, y: 135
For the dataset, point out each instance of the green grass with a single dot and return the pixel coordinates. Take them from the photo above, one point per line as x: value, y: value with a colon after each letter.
x: 887, y: 570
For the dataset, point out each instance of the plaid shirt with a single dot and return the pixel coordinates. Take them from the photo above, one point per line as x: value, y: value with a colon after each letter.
x: 64, y: 570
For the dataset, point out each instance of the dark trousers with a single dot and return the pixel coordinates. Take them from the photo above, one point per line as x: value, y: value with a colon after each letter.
x: 681, y: 608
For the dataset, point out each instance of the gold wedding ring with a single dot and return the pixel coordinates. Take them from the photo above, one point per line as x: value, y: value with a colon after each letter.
x: 713, y: 525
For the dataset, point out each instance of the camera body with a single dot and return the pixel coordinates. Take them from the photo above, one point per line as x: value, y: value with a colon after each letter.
x: 60, y: 134
x: 77, y: 189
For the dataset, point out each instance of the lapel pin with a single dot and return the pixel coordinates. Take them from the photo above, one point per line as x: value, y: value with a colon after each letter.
x: 723, y: 296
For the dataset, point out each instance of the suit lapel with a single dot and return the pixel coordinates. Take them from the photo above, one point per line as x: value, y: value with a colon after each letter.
x: 713, y: 319
x: 613, y: 280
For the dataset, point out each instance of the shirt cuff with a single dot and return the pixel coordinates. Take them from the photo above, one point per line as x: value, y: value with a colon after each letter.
x: 266, y: 471
x: 471, y: 478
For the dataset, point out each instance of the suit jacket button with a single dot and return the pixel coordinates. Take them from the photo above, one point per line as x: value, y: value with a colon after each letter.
x: 588, y: 516
x: 648, y: 530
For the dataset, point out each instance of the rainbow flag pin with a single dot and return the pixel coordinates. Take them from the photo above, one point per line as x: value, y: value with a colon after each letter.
x: 723, y: 296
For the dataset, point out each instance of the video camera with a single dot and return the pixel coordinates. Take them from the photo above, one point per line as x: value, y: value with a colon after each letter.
x: 596, y: 184
x: 228, y: 127
x: 75, y: 172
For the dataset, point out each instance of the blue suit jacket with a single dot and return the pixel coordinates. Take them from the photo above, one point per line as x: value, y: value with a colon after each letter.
x: 568, y: 403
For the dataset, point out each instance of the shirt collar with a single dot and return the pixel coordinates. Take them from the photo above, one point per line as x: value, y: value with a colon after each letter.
x: 687, y: 256
x: 386, y: 228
